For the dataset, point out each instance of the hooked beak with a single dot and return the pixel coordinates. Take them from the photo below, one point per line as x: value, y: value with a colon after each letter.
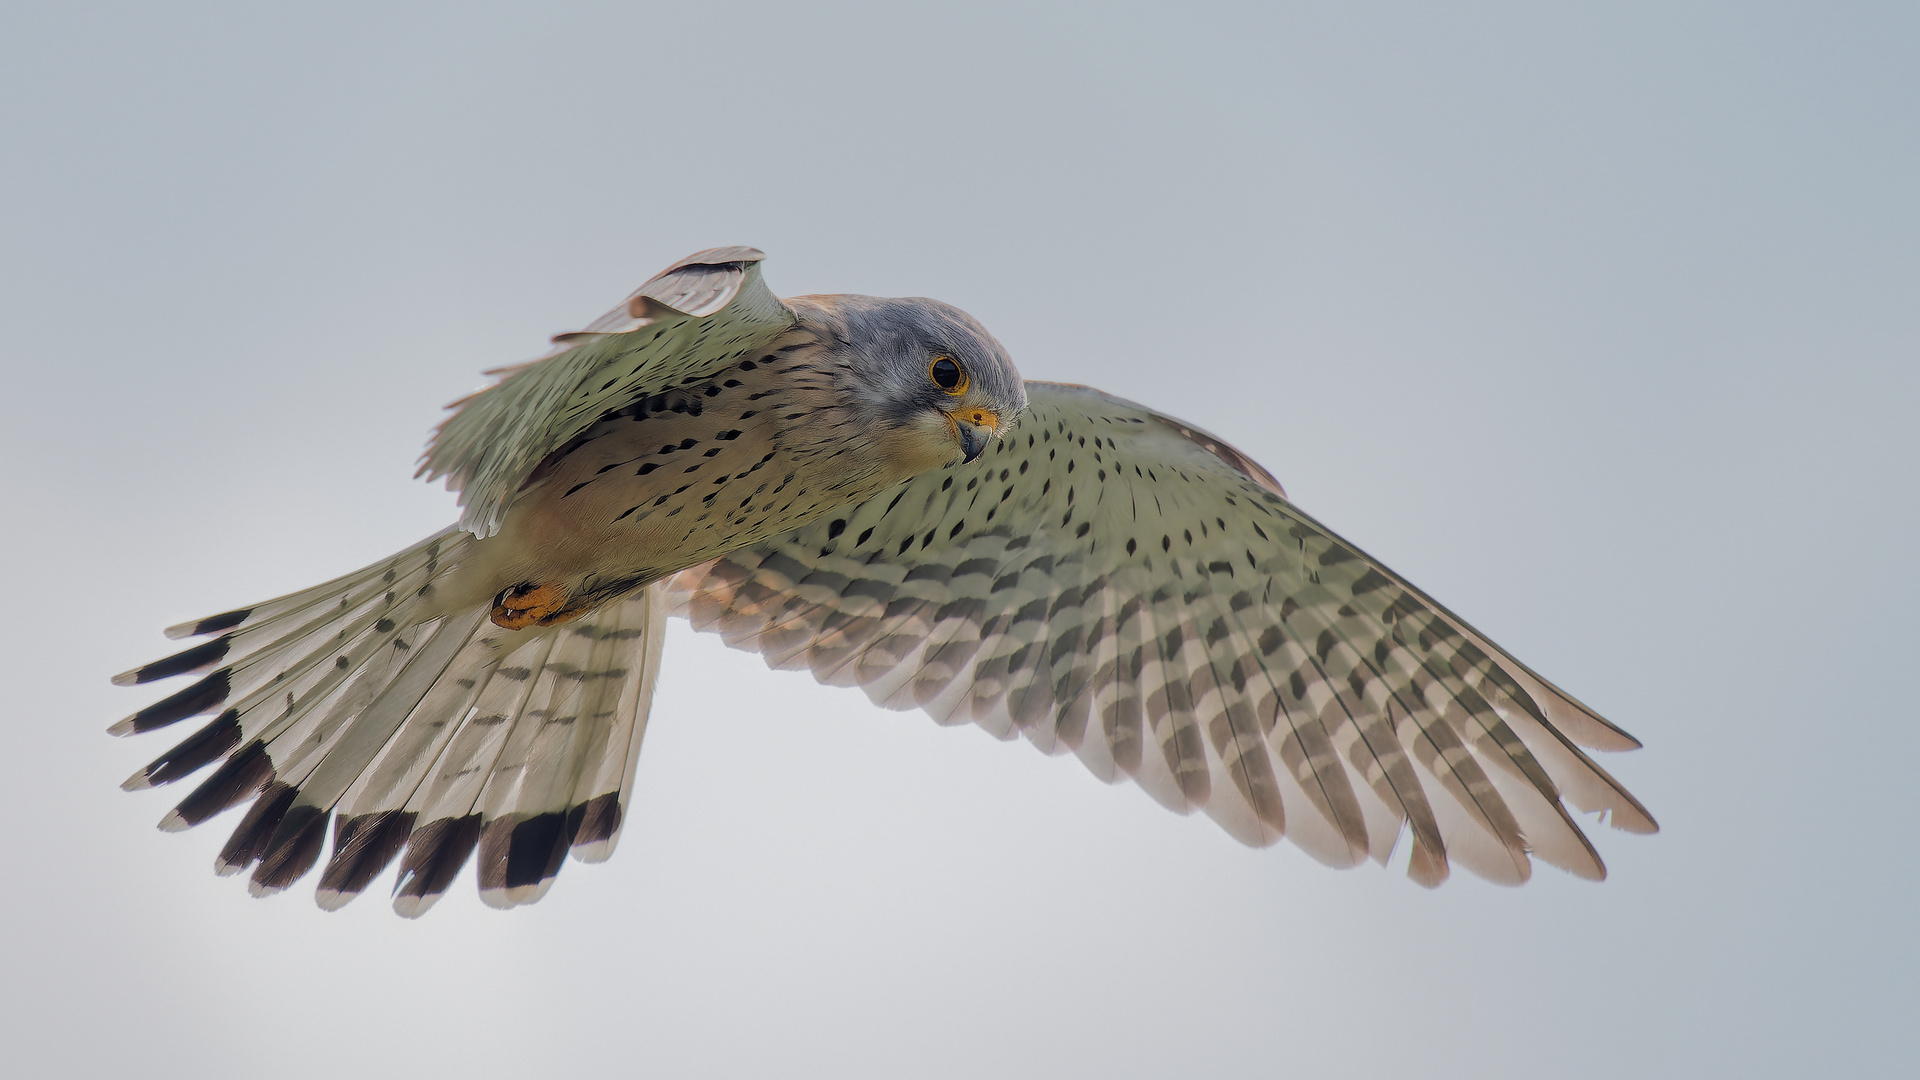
x: 973, y: 429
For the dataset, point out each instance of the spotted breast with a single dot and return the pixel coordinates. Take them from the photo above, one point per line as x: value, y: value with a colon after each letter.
x: 676, y: 478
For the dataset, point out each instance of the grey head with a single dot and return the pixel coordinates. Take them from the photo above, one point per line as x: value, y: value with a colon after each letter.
x: 925, y: 366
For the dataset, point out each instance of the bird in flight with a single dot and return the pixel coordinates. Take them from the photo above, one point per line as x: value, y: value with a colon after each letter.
x: 866, y: 489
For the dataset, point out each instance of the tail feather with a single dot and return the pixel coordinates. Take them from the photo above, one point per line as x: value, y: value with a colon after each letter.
x: 521, y: 830
x: 363, y: 845
x: 372, y: 822
x: 436, y: 852
x: 528, y: 823
x: 601, y: 798
x: 444, y: 802
x: 390, y: 777
x: 423, y: 554
x: 261, y: 648
x: 249, y: 839
x: 237, y: 779
x: 420, y: 735
x: 343, y: 753
x: 404, y: 697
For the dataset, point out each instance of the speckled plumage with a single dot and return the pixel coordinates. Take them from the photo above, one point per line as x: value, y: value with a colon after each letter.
x: 756, y: 449
x: 1102, y: 579
x: 1117, y: 584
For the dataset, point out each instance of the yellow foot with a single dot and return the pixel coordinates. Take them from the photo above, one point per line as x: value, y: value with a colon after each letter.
x: 527, y: 604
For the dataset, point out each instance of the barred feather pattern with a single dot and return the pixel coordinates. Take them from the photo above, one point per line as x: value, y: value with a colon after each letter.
x: 1115, y: 583
x: 420, y: 735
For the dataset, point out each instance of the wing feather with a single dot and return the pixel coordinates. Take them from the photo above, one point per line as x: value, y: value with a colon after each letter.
x: 1113, y: 582
x: 702, y: 314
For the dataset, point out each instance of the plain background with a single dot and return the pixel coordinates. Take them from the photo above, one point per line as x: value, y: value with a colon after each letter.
x: 1600, y: 322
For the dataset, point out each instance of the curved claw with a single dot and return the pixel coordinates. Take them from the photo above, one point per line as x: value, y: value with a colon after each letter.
x: 527, y: 604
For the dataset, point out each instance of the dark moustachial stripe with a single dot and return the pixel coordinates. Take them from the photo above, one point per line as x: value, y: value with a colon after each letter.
x: 200, y: 656
x: 201, y: 697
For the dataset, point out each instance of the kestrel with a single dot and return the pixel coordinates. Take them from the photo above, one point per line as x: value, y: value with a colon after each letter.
x: 864, y: 488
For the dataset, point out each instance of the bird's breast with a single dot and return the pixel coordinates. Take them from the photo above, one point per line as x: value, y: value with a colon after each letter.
x: 683, y: 476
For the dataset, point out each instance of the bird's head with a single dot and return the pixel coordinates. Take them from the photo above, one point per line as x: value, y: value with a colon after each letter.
x: 931, y: 377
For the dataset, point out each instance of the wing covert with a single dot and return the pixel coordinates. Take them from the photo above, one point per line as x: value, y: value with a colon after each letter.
x: 1113, y: 582
x: 694, y: 318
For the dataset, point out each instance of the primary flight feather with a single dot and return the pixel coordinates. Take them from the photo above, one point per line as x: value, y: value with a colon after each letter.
x: 867, y: 489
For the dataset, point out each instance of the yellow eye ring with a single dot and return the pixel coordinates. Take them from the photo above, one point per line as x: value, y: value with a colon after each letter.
x: 948, y: 375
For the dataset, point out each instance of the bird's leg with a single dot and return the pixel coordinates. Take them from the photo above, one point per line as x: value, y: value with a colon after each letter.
x: 527, y: 604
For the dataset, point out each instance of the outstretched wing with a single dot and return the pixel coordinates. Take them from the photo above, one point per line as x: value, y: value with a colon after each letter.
x: 1114, y: 582
x: 695, y: 318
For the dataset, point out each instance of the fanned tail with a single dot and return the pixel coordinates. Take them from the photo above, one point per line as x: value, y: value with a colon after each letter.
x: 413, y: 729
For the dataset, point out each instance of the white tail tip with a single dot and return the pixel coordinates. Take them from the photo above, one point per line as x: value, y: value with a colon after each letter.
x: 412, y: 907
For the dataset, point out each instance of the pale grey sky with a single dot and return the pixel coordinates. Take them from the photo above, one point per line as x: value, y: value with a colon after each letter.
x: 1601, y: 323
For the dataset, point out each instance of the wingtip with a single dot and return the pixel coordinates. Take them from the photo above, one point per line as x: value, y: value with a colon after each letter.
x: 139, y: 782
x: 1522, y: 873
x: 174, y: 821
x: 1428, y: 868
x: 122, y: 729
x: 332, y: 899
x: 1633, y: 818
x: 1595, y: 871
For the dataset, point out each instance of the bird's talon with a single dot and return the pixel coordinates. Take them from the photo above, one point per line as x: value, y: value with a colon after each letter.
x: 527, y: 604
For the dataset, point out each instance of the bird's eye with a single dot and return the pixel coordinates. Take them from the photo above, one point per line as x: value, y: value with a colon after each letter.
x: 947, y: 375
